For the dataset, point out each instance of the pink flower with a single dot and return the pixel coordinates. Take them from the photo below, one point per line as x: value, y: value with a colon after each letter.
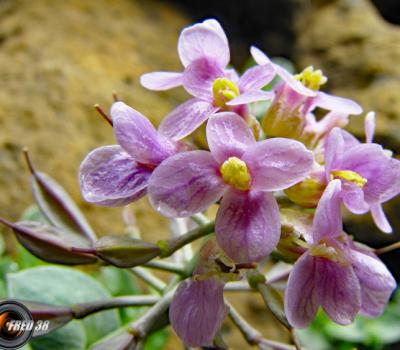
x: 242, y: 171
x: 119, y: 174
x: 334, y: 273
x: 204, y: 52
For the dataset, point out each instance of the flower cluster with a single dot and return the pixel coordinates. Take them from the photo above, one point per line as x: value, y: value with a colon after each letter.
x: 246, y: 166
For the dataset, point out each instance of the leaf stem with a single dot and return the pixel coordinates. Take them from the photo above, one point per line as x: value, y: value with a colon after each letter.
x: 388, y: 248
x: 168, y: 266
x: 149, y: 278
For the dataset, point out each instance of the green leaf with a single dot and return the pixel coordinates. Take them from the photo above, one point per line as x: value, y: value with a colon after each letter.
x: 64, y: 286
x: 157, y: 340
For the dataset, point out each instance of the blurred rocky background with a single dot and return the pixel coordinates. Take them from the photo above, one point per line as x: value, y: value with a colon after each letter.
x: 59, y: 58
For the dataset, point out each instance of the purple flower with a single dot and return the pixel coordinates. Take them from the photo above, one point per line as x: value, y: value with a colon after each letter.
x: 204, y: 52
x: 334, y: 274
x: 296, y: 97
x: 119, y: 174
x: 244, y: 172
x: 197, y: 310
x: 369, y: 176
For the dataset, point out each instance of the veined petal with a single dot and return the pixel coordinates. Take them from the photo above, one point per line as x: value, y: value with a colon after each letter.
x: 159, y: 81
x: 336, y: 103
x: 206, y: 39
x: 277, y: 163
x: 186, y: 118
x: 255, y: 78
x: 247, y: 226
x: 228, y: 135
x: 380, y: 218
x: 328, y: 219
x: 185, y: 184
x: 197, y: 311
x: 353, y: 198
x: 334, y: 149
x: 377, y: 283
x: 301, y: 297
x: 338, y: 290
x: 369, y: 127
x: 251, y: 96
x: 137, y: 135
x: 199, y: 76
x: 111, y: 177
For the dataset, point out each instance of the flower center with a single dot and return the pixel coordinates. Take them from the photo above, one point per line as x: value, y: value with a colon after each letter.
x: 224, y: 90
x: 313, y: 79
x: 327, y: 251
x: 349, y: 175
x: 235, y: 173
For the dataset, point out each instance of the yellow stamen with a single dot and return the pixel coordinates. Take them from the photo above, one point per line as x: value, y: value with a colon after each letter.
x: 224, y: 90
x: 235, y: 172
x: 313, y: 79
x: 349, y: 175
x: 327, y: 251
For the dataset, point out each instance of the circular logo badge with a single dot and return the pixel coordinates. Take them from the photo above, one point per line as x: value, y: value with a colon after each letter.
x: 16, y: 324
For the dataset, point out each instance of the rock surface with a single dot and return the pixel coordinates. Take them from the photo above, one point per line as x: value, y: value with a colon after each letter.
x: 360, y: 53
x: 59, y: 58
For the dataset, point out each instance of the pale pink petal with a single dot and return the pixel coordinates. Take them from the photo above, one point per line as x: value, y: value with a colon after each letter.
x: 353, y: 198
x: 185, y: 184
x: 369, y: 127
x: 186, y: 118
x: 334, y: 149
x: 301, y: 297
x: 204, y: 40
x: 137, y: 135
x: 159, y: 81
x: 328, y: 219
x: 199, y: 77
x: 277, y: 163
x: 251, y: 96
x: 111, y: 177
x: 336, y: 103
x: 338, y: 290
x: 197, y: 311
x: 380, y: 218
x: 247, y: 226
x: 228, y: 135
x: 376, y: 281
x: 260, y: 57
x: 255, y: 78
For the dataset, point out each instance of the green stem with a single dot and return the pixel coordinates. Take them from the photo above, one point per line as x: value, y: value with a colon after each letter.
x: 149, y: 278
x: 168, y: 266
x: 388, y: 248
x: 170, y: 246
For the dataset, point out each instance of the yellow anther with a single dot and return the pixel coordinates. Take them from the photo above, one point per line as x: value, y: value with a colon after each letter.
x: 224, y: 90
x: 349, y: 175
x: 313, y: 79
x: 235, y: 172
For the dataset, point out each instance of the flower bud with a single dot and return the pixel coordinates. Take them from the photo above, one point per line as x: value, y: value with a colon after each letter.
x: 52, y: 244
x: 124, y: 251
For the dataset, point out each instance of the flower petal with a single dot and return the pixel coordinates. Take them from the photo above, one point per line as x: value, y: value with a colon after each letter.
x: 377, y: 283
x: 137, y: 135
x: 278, y: 163
x: 334, y: 149
x: 338, y: 290
x: 353, y: 198
x: 301, y: 297
x: 185, y: 184
x: 206, y: 39
x: 251, y: 96
x: 380, y: 218
x: 255, y: 78
x: 336, y: 103
x: 186, y: 118
x: 369, y: 127
x: 110, y: 177
x: 228, y: 135
x: 197, y: 311
x: 199, y: 77
x: 247, y: 226
x: 159, y: 81
x: 328, y: 218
